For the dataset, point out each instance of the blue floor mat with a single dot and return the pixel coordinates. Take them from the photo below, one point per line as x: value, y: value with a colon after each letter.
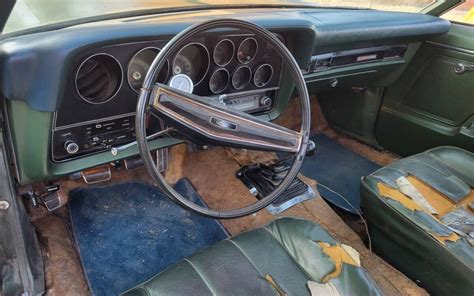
x: 339, y: 169
x: 128, y: 232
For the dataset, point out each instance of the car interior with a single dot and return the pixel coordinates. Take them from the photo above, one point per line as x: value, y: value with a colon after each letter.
x: 237, y: 147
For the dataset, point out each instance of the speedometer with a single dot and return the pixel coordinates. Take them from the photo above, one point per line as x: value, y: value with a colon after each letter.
x: 139, y: 65
x: 192, y: 61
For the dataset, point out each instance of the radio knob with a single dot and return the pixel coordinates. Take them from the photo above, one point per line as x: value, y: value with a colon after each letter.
x: 266, y: 101
x: 71, y: 147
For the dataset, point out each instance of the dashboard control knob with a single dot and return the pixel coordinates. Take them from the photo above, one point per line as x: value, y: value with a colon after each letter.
x: 266, y: 101
x: 71, y: 147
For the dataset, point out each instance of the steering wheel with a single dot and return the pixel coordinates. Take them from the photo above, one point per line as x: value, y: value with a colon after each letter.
x: 205, y: 120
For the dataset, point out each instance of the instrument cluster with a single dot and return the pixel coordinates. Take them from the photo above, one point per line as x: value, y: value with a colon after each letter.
x: 215, y: 65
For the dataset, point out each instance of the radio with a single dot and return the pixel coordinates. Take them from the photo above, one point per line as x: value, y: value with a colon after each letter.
x: 253, y: 103
x: 70, y: 142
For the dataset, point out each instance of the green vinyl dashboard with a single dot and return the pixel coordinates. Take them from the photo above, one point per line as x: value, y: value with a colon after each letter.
x: 71, y: 92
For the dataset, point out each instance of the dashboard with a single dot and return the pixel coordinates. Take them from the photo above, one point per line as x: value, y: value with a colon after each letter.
x: 70, y: 93
x: 239, y: 69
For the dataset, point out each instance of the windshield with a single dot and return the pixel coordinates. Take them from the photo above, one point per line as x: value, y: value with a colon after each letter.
x: 28, y: 14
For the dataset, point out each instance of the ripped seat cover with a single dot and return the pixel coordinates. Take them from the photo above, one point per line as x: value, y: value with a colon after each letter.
x: 449, y: 170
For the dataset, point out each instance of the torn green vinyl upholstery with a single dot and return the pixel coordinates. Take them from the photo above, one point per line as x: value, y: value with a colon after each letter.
x: 429, y: 248
x: 279, y: 258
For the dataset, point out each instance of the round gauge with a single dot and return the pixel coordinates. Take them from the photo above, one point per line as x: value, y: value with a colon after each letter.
x: 223, y: 52
x: 139, y: 65
x: 247, y: 50
x: 182, y: 83
x: 219, y: 80
x: 241, y: 77
x: 192, y: 61
x: 262, y: 75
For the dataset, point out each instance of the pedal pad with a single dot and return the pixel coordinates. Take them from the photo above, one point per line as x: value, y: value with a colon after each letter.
x: 162, y: 159
x: 97, y: 175
x: 133, y: 163
x: 52, y: 200
x: 52, y: 197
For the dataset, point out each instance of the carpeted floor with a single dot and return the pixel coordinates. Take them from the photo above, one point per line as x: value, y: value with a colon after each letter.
x: 213, y: 175
x: 130, y: 231
x: 338, y: 171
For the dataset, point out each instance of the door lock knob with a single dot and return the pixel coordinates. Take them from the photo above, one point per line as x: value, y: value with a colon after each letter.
x: 460, y: 68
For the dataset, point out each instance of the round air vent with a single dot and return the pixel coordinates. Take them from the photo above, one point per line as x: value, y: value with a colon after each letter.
x: 98, y: 78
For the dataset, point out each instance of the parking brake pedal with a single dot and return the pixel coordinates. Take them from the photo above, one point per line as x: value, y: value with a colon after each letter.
x: 52, y: 200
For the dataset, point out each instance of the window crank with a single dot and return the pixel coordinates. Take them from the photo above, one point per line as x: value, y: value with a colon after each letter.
x: 460, y: 68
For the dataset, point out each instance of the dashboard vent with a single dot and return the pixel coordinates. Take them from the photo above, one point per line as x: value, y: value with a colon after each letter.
x: 98, y: 78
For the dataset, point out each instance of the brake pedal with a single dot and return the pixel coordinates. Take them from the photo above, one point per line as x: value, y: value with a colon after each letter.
x: 97, y: 175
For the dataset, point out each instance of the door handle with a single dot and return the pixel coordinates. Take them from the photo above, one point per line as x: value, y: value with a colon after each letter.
x: 460, y: 68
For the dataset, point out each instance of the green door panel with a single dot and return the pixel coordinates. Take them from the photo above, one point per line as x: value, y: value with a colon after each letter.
x: 430, y: 105
x: 440, y: 93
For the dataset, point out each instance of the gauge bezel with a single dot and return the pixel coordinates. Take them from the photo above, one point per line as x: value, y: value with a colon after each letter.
x: 248, y: 81
x: 135, y: 55
x: 226, y: 85
x: 118, y: 87
x: 254, y: 55
x: 269, y: 79
x: 208, y: 60
x: 231, y: 55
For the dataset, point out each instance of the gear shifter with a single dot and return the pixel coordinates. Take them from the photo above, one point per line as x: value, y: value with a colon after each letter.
x: 262, y: 179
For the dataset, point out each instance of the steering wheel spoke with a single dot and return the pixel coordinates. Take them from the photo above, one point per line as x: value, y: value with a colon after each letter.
x: 206, y: 120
